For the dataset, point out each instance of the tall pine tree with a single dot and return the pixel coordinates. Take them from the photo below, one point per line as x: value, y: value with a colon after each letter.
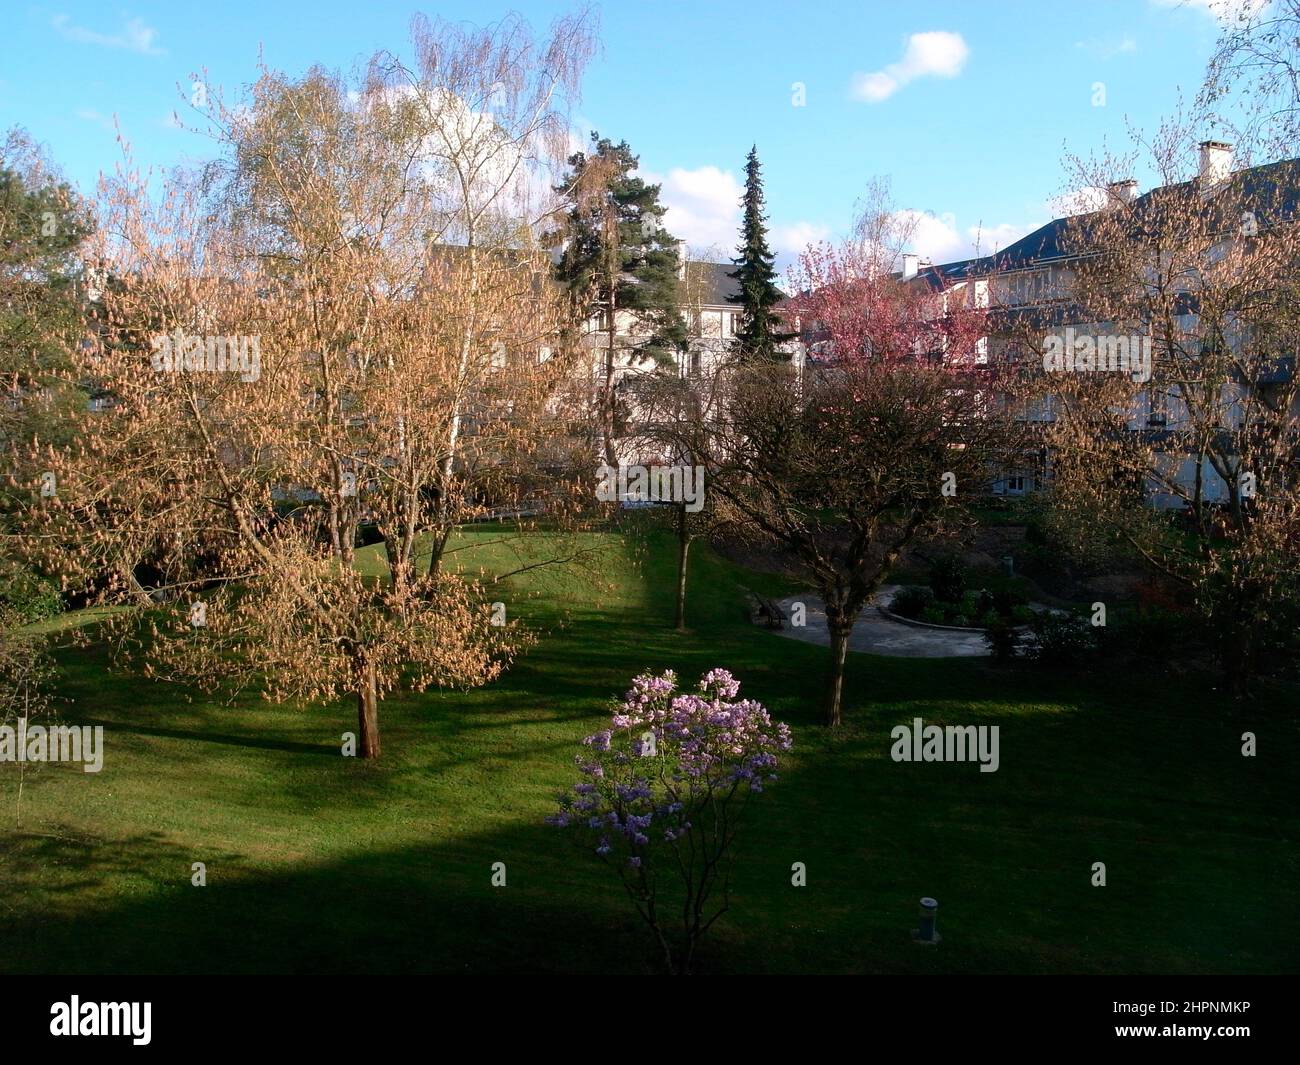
x: 619, y: 258
x: 759, y: 334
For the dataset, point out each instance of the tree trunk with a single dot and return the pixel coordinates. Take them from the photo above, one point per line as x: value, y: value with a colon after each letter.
x: 839, y: 631
x: 1198, y: 509
x: 447, y: 468
x: 368, y: 712
x: 438, y: 537
x: 1239, y: 655
x: 683, y: 553
x: 607, y: 398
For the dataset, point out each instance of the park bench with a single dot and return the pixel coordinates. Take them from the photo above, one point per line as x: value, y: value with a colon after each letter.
x: 766, y: 610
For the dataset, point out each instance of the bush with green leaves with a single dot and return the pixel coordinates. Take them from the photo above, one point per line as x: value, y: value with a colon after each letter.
x: 27, y: 596
x: 1002, y: 637
x: 1061, y: 639
x: 948, y: 577
x: 910, y: 600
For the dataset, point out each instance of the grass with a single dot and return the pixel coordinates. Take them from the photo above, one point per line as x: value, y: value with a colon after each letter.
x: 317, y: 863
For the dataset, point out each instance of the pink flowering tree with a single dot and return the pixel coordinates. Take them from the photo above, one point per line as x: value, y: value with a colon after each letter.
x: 662, y: 792
x: 896, y: 423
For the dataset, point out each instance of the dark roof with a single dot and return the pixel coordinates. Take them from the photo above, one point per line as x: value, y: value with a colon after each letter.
x: 714, y: 286
x: 1273, y: 188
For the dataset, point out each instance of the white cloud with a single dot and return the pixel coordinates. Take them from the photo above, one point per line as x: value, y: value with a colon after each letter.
x: 703, y: 206
x: 987, y: 239
x: 703, y: 210
x: 1080, y: 201
x: 134, y: 36
x: 89, y: 114
x: 1108, y: 49
x: 793, y: 239
x: 936, y: 53
x: 941, y: 240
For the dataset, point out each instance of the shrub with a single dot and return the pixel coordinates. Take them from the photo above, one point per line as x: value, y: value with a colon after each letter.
x: 1061, y: 639
x: 1154, y: 633
x: 933, y: 614
x: 910, y: 601
x: 26, y: 596
x: 1002, y: 638
x: 948, y: 577
x: 664, y: 788
x: 1007, y: 603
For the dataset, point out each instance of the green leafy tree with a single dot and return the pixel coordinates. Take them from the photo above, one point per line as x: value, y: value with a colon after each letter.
x: 619, y: 262
x: 43, y: 224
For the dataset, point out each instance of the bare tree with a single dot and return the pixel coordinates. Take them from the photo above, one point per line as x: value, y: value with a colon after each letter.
x: 1189, y: 455
x: 489, y: 112
x: 1252, y: 83
x: 291, y: 352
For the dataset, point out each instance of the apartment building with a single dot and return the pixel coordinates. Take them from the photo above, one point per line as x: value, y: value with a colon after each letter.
x: 1031, y: 287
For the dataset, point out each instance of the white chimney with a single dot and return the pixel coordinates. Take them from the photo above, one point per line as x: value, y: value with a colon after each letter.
x: 1122, y: 192
x: 1216, y: 163
x: 911, y: 263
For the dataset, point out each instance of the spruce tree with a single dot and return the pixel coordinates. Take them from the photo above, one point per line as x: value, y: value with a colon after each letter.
x: 759, y: 332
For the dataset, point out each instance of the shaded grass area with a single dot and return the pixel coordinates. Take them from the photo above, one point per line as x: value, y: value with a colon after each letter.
x: 317, y: 863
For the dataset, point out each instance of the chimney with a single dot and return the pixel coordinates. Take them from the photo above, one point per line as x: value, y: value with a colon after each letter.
x: 911, y: 263
x: 1216, y: 163
x: 1122, y: 192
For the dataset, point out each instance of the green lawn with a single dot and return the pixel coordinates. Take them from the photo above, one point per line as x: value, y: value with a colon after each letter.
x: 317, y: 863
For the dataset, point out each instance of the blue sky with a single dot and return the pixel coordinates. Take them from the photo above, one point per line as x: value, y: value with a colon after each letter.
x: 967, y: 106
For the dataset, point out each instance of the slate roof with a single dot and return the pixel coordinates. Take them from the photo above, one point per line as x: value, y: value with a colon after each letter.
x: 1273, y: 189
x: 715, y: 287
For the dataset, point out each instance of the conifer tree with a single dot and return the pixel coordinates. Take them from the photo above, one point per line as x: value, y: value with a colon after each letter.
x: 758, y: 335
x: 617, y: 258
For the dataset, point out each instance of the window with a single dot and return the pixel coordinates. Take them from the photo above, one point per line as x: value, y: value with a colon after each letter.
x: 1157, y: 407
x: 1016, y: 485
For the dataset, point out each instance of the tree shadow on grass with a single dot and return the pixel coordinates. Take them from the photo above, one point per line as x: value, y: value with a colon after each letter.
x: 1007, y: 854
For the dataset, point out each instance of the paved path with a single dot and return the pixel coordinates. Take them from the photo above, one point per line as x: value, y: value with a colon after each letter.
x: 878, y: 635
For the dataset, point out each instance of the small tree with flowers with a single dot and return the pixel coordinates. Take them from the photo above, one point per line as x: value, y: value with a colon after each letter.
x: 662, y: 796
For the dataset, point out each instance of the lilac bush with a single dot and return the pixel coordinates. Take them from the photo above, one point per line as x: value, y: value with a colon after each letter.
x: 661, y: 795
